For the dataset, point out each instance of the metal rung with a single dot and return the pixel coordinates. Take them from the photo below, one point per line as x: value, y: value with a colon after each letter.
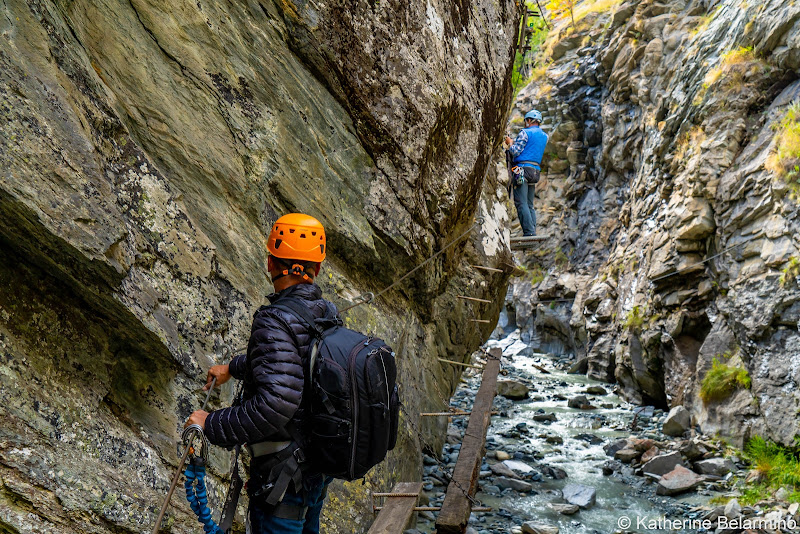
x: 490, y: 269
x: 462, y: 364
x: 442, y: 414
x: 480, y: 321
x: 437, y: 508
x: 473, y: 298
x: 395, y: 494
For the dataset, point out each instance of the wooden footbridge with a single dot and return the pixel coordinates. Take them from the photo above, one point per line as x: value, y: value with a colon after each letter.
x: 401, y: 502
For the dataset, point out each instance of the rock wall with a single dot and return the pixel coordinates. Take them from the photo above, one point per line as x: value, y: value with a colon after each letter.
x: 672, y: 220
x: 145, y: 150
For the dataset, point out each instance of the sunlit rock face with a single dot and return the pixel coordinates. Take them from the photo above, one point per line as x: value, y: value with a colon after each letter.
x: 145, y: 150
x: 670, y: 200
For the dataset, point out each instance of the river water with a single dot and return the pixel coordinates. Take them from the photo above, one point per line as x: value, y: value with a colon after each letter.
x: 619, y: 498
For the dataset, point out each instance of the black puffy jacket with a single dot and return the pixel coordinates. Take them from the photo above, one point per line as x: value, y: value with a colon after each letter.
x: 272, y: 372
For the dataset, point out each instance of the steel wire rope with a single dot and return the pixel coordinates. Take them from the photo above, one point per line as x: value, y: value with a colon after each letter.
x: 369, y: 296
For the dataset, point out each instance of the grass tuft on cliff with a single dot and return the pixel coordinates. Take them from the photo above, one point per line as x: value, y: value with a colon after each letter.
x: 791, y: 272
x: 778, y: 466
x: 785, y: 160
x: 722, y: 380
x: 634, y: 319
x: 737, y: 71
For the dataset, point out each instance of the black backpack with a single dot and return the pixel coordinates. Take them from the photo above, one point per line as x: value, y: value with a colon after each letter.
x: 354, y: 404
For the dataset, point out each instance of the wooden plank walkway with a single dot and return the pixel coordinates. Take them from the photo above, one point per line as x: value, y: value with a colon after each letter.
x: 522, y: 243
x: 456, y: 508
x: 397, y: 511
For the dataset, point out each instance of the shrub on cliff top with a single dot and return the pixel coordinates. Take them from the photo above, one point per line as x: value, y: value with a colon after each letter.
x: 785, y: 160
x: 722, y: 380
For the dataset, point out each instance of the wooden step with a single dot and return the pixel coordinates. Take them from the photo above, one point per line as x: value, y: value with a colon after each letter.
x: 525, y: 239
x: 456, y: 508
x: 396, y: 513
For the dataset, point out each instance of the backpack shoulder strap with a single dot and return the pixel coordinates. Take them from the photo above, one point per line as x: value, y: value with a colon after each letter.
x: 301, y: 312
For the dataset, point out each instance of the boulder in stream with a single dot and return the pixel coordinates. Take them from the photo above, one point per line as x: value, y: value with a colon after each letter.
x: 662, y: 464
x: 512, y: 389
x: 580, y: 402
x: 596, y: 390
x: 626, y: 456
x: 679, y: 480
x: 678, y: 421
x: 501, y: 469
x: 564, y: 509
x: 580, y: 495
x: 556, y: 473
x: 715, y: 466
x: 517, y: 466
x: 538, y: 528
x: 581, y: 367
x: 513, y: 483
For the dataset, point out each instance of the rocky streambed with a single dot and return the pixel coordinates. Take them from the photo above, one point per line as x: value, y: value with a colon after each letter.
x: 565, y: 454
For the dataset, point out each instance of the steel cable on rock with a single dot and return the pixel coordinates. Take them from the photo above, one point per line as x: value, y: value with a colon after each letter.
x: 369, y: 297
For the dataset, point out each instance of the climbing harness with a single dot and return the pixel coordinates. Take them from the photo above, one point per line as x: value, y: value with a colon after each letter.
x: 368, y: 297
x: 195, y: 483
x: 174, y: 483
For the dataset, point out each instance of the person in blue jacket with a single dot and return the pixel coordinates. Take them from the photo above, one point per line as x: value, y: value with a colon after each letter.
x: 526, y: 153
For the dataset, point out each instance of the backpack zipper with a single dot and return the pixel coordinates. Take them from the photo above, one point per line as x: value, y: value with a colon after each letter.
x: 354, y: 397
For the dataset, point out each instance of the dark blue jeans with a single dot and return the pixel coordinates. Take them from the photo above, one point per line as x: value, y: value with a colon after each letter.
x: 523, y: 200
x: 313, y: 496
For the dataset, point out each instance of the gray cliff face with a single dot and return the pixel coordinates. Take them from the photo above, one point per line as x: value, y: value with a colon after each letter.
x: 673, y: 234
x: 145, y: 150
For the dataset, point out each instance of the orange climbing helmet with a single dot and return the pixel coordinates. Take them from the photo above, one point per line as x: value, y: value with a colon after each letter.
x: 297, y: 236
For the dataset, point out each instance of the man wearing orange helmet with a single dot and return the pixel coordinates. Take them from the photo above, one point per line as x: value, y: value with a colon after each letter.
x: 286, y: 497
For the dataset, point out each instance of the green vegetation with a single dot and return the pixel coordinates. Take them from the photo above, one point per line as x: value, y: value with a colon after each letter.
x: 790, y: 272
x: 778, y: 466
x: 722, y: 380
x: 634, y: 319
x: 560, y: 8
x: 520, y: 76
x: 785, y: 161
x: 734, y: 72
x: 705, y: 20
x: 560, y: 258
x: 536, y: 273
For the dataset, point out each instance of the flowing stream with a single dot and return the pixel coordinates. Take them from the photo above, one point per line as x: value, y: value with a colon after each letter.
x: 573, y: 442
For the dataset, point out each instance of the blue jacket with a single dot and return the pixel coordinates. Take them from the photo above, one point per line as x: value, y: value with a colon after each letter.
x: 528, y: 147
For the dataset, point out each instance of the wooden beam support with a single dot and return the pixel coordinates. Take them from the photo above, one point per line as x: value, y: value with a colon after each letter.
x: 397, y: 512
x: 456, y: 507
